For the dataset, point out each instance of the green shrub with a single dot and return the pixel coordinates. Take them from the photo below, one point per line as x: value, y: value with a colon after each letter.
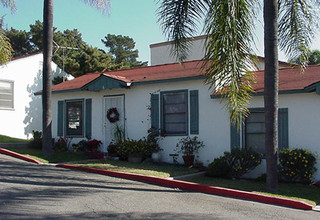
x: 242, y: 160
x: 130, y: 146
x: 296, y: 165
x: 235, y: 163
x: 218, y: 168
x: 61, y: 145
x: 36, y: 141
x: 82, y: 146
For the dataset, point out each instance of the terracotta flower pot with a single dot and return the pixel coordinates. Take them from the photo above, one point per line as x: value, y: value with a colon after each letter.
x: 188, y: 160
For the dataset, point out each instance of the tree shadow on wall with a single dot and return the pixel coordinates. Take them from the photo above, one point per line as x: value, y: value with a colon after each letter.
x: 33, y: 111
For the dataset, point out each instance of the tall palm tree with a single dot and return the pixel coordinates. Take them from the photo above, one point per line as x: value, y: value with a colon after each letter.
x: 47, y: 81
x: 47, y: 56
x: 5, y: 46
x: 229, y: 26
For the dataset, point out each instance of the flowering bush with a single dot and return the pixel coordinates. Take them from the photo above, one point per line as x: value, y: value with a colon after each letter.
x: 61, y: 145
x: 296, y: 165
x: 93, y: 145
x: 235, y: 163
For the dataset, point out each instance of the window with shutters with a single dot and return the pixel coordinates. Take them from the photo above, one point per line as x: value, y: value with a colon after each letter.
x: 6, y: 94
x: 174, y: 112
x: 74, y: 118
x: 255, y: 131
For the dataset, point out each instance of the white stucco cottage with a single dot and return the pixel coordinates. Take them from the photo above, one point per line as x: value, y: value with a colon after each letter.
x: 173, y: 98
x: 20, y: 109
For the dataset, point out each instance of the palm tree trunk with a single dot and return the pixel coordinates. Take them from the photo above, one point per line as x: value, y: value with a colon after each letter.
x: 270, y: 11
x: 47, y: 82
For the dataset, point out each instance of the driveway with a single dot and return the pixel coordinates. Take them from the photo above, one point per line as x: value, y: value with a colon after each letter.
x: 29, y: 191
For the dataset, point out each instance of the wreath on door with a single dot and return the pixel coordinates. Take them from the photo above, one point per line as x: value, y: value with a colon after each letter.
x: 113, y: 115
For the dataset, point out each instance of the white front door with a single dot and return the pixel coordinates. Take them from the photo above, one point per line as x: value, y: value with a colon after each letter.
x: 110, y: 127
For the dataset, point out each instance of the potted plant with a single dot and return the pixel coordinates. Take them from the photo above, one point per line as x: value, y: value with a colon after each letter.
x: 112, y: 150
x: 93, y: 149
x: 130, y: 150
x: 189, y: 147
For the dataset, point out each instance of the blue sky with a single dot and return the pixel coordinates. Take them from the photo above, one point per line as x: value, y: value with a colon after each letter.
x: 134, y: 18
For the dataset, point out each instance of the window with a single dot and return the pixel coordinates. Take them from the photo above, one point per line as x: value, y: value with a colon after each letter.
x: 74, y: 119
x: 6, y: 94
x: 174, y: 113
x: 255, y: 131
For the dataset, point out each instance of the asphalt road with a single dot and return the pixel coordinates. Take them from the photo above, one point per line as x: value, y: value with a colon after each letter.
x: 29, y: 191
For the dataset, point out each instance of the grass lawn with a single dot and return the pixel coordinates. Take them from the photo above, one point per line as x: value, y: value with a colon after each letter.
x: 306, y: 193
x: 56, y: 157
x: 146, y: 168
x: 7, y: 139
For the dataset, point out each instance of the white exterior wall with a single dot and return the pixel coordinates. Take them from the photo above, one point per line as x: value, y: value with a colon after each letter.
x: 26, y: 73
x: 214, y: 124
x: 161, y: 53
x: 303, y: 122
x: 214, y: 131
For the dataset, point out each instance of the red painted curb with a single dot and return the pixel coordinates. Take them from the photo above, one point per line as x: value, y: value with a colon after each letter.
x: 20, y: 156
x: 197, y: 187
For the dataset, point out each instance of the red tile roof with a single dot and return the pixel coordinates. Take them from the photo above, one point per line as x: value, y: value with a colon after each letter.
x: 289, y: 78
x: 136, y: 75
x: 76, y: 83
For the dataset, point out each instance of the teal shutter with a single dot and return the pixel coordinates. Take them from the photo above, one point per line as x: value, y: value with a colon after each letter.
x: 194, y: 112
x: 88, y: 118
x: 60, y: 118
x: 234, y: 136
x: 283, y: 130
x: 155, y: 112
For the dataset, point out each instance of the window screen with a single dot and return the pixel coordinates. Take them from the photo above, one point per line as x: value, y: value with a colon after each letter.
x: 6, y: 94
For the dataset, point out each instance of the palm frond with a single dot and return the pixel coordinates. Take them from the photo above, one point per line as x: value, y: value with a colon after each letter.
x: 229, y: 27
x: 101, y: 5
x: 9, y: 4
x: 179, y: 20
x: 297, y: 24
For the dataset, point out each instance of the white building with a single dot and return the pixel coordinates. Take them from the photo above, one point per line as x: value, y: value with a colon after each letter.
x: 173, y: 98
x: 20, y: 109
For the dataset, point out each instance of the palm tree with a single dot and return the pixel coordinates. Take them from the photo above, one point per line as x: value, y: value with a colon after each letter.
x: 47, y: 55
x: 5, y: 46
x: 229, y: 26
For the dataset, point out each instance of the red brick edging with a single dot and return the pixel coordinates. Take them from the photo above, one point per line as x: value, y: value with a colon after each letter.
x: 197, y: 187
